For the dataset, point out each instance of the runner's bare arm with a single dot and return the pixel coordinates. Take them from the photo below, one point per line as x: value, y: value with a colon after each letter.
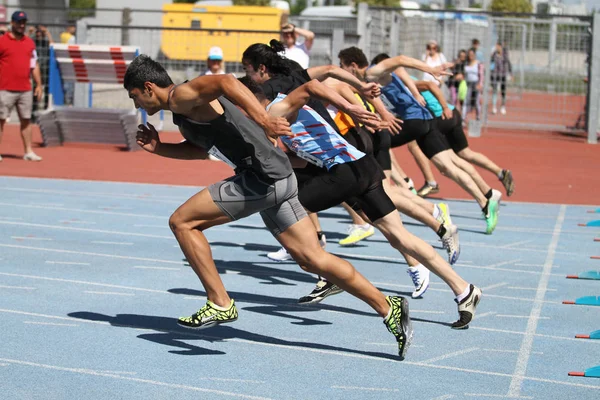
x: 389, y: 65
x: 331, y: 71
x: 147, y: 138
x: 410, y: 84
x: 437, y: 92
x: 204, y: 89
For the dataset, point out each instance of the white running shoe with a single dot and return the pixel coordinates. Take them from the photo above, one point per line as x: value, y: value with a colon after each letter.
x: 494, y: 110
x: 32, y: 157
x: 451, y: 243
x: 503, y: 110
x: 467, y: 307
x: 282, y: 254
x: 420, y: 278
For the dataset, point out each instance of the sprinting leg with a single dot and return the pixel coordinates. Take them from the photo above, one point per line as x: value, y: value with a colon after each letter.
x: 480, y: 160
x: 430, y: 186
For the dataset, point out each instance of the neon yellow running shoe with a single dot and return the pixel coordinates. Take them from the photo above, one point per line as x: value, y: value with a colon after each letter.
x: 444, y: 217
x: 491, y: 219
x: 356, y: 233
x: 210, y: 315
x: 399, y: 324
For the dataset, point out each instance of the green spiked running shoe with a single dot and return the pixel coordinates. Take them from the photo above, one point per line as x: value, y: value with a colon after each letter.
x: 491, y: 218
x: 399, y: 324
x: 210, y: 315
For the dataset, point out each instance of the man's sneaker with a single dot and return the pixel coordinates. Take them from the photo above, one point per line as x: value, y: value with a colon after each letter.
x: 466, y: 308
x: 356, y: 233
x: 508, y: 182
x: 503, y: 110
x: 280, y: 255
x: 399, y: 324
x: 444, y: 217
x: 427, y: 190
x: 209, y: 316
x: 322, y: 290
x: 420, y: 278
x: 491, y: 217
x: 451, y: 243
x: 494, y: 110
x: 32, y: 157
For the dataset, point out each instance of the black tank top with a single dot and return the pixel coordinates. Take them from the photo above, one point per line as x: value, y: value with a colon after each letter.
x: 237, y: 140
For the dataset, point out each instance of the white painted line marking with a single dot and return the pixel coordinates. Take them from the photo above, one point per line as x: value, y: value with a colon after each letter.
x: 12, y: 218
x: 231, y: 380
x: 159, y: 268
x: 84, y: 283
x: 527, y: 343
x: 592, y: 342
x: 508, y: 246
x: 517, y: 316
x: 69, y: 221
x: 17, y: 287
x: 84, y: 371
x: 47, y: 323
x: 4, y: 365
x: 529, y: 265
x: 116, y: 243
x: 502, y: 396
x: 509, y: 351
x: 486, y: 314
x: 528, y: 288
x: 67, y: 263
x: 449, y: 355
x: 109, y: 293
x: 98, y: 194
x: 368, y: 389
x: 73, y: 228
x: 497, y: 285
x: 330, y: 352
x: 73, y: 210
x: 150, y: 226
x: 47, y: 204
x: 29, y: 238
x: 443, y: 397
x: 388, y: 344
x: 119, y: 372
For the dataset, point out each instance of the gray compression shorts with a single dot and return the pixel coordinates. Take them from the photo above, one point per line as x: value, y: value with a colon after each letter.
x: 247, y: 193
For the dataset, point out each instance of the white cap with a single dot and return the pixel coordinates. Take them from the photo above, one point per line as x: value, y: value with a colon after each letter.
x: 215, y: 53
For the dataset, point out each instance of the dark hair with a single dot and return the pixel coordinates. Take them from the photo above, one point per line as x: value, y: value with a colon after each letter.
x: 475, y: 41
x: 353, y: 55
x: 260, y: 54
x: 144, y: 69
x: 379, y: 58
x: 252, y: 86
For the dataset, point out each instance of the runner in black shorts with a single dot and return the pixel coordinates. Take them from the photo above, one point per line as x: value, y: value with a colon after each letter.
x: 418, y: 123
x: 263, y: 182
x: 354, y: 177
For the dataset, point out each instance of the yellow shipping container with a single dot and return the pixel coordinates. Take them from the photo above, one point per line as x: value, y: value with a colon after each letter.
x: 202, y: 27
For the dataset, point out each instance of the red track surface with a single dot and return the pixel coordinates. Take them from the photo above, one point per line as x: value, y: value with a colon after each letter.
x: 547, y: 167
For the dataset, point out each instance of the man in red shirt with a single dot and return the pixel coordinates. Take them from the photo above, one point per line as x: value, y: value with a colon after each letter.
x: 18, y: 61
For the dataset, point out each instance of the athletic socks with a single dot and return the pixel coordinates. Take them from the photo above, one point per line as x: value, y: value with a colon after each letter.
x: 488, y: 195
x: 320, y: 235
x: 442, y: 231
x: 501, y: 174
x: 432, y: 183
x: 464, y: 294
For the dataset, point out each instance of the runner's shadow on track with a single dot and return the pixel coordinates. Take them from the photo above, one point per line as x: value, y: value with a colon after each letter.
x: 270, y: 305
x: 480, y: 232
x: 171, y: 334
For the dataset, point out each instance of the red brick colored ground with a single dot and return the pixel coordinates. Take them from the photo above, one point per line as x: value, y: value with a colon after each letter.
x: 547, y: 167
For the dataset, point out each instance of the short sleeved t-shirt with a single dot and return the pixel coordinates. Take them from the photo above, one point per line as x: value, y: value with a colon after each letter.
x: 17, y: 58
x: 298, y: 53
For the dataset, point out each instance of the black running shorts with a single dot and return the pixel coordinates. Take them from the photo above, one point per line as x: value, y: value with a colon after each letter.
x: 452, y: 129
x: 425, y: 132
x: 382, y: 141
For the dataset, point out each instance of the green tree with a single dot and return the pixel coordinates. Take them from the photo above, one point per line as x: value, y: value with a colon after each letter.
x: 515, y: 6
x: 477, y: 5
x: 85, y: 7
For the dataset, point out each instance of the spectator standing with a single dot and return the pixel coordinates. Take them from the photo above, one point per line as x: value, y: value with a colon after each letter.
x: 434, y: 58
x: 296, y: 50
x: 43, y: 39
x: 458, y: 74
x: 18, y: 62
x: 474, y: 79
x: 475, y: 44
x: 214, y: 61
x: 68, y: 37
x: 501, y: 71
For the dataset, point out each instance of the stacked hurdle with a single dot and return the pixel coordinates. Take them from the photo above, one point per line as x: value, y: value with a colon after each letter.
x: 88, y: 64
x: 593, y: 372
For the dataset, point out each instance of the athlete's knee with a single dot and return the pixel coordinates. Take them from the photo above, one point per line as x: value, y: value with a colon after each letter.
x: 466, y: 154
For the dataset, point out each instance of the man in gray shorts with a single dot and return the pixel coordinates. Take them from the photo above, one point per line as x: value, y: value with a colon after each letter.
x: 264, y: 182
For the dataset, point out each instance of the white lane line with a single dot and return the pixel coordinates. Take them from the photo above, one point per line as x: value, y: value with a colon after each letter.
x: 449, y: 355
x: 84, y: 371
x: 528, y: 288
x: 29, y: 238
x: 116, y: 243
x: 4, y: 365
x: 523, y: 271
x: 72, y: 228
x: 508, y: 246
x: 100, y: 194
x: 527, y: 343
x: 593, y: 342
x: 119, y: 372
x: 517, y: 316
x: 389, y: 344
x: 443, y: 397
x: 529, y: 265
x: 47, y: 323
x: 502, y: 263
x: 47, y: 204
x: 84, y: 283
x: 70, y: 221
x: 501, y: 396
x: 114, y: 208
x: 231, y: 380
x: 486, y: 314
x: 508, y: 351
x: 158, y: 268
x: 86, y: 253
x: 497, y: 285
x: 368, y: 389
x: 109, y: 293
x: 329, y: 352
x: 67, y: 263
x: 100, y: 212
x: 17, y: 287
x: 12, y: 218
x: 150, y: 226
